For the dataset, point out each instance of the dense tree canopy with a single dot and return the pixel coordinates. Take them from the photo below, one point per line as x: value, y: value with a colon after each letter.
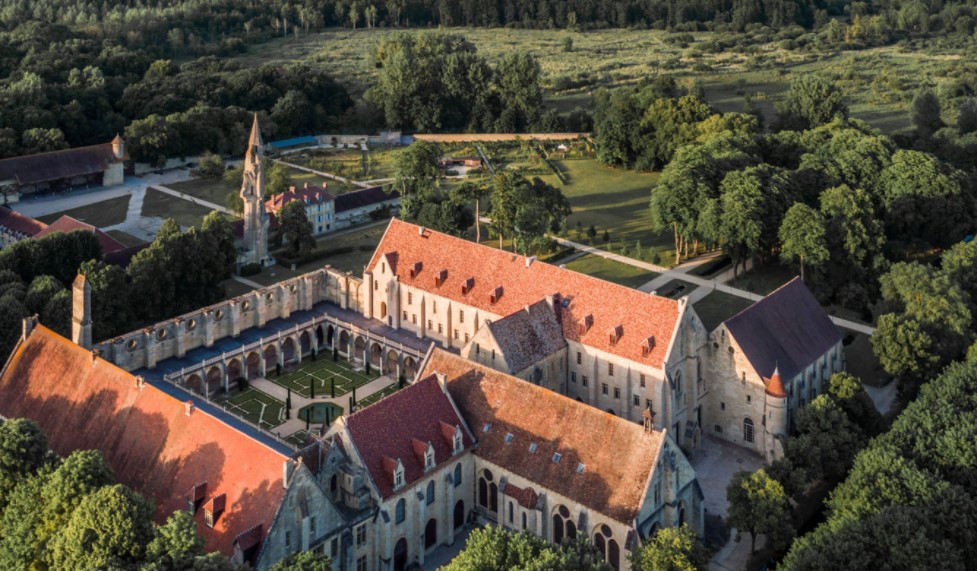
x: 494, y: 548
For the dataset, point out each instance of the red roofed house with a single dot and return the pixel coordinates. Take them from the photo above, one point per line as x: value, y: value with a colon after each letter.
x: 68, y: 224
x: 616, y: 348
x: 765, y: 362
x: 328, y: 213
x: 251, y: 501
x: 15, y: 227
x: 416, y: 450
x: 319, y: 205
x: 541, y: 462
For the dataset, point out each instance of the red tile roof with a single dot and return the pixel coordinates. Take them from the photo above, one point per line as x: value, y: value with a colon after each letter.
x: 145, y: 435
x: 17, y: 222
x: 528, y: 336
x: 69, y: 224
x: 308, y: 195
x: 639, y: 315
x: 525, y: 497
x: 618, y: 456
x: 385, y: 432
x: 775, y: 387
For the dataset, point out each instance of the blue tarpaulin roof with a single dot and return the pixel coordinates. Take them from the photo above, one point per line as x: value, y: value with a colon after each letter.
x: 294, y: 142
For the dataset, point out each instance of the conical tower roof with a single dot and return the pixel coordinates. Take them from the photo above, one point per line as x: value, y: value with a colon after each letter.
x: 775, y: 387
x: 255, y: 140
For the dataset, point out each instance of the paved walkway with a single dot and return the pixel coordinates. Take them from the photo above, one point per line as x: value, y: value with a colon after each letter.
x: 668, y: 274
x: 294, y: 423
x: 323, y: 174
x: 246, y: 281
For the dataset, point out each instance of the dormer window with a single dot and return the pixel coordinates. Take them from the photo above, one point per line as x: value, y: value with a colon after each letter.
x: 647, y: 346
x: 584, y: 324
x: 467, y: 286
x: 416, y: 269
x: 458, y: 444
x: 614, y: 335
x: 429, y: 458
x: 556, y: 458
x: 440, y: 278
x: 496, y: 294
x: 398, y: 477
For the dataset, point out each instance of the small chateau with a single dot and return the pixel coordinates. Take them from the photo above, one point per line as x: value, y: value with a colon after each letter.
x: 530, y: 397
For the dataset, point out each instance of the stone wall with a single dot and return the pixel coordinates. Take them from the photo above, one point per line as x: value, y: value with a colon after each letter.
x: 201, y: 328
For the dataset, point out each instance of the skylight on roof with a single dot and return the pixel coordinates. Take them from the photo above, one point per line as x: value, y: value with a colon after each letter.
x: 486, y: 427
x: 508, y: 437
x: 566, y: 302
x: 580, y: 468
x: 532, y: 447
x: 556, y: 458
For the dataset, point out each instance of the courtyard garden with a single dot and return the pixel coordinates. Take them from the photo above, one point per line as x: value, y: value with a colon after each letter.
x: 327, y: 378
x: 256, y: 407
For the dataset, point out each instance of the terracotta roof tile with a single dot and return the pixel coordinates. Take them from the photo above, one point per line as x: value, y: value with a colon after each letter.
x: 640, y: 315
x: 525, y: 497
x: 528, y: 336
x: 387, y: 431
x: 17, y: 222
x: 619, y: 455
x: 69, y: 224
x: 787, y: 330
x: 308, y: 195
x: 151, y: 444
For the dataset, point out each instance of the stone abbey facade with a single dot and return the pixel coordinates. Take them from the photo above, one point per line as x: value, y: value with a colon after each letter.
x: 629, y: 384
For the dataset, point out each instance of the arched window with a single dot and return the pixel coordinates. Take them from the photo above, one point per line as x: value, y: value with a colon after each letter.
x: 488, y: 492
x: 607, y: 545
x: 748, y: 429
x: 457, y: 474
x: 401, y: 510
x: 562, y: 525
x: 430, y: 492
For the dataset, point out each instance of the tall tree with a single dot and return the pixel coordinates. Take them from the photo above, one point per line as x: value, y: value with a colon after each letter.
x: 802, y: 237
x: 474, y: 192
x: 925, y: 113
x: 294, y: 228
x: 671, y: 549
x: 811, y: 100
x: 758, y: 505
x: 417, y: 176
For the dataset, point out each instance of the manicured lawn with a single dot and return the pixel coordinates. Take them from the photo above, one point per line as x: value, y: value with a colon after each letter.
x: 676, y: 289
x: 213, y: 190
x: 377, y: 396
x: 718, y: 307
x: 99, y: 214
x: 323, y: 373
x: 126, y: 238
x: 614, y: 200
x: 861, y: 361
x: 766, y: 278
x: 185, y: 213
x: 257, y: 407
x: 611, y: 271
x: 298, y: 438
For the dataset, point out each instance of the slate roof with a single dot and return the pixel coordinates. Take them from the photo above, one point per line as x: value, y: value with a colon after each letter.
x: 604, y: 306
x: 308, y: 195
x: 386, y: 431
x: 55, y: 165
x: 365, y: 197
x: 618, y: 455
x: 146, y: 437
x: 17, y: 222
x: 788, y: 330
x: 69, y: 224
x: 528, y: 336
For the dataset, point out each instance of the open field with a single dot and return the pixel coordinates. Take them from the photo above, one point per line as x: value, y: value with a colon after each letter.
x: 322, y: 373
x: 611, y: 271
x: 879, y: 82
x: 99, y: 214
x: 210, y: 189
x: 257, y: 407
x: 185, y: 213
x: 718, y: 307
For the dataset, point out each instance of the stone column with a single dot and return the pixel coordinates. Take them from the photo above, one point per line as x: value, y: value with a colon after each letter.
x: 208, y: 319
x: 235, y: 317
x: 368, y: 284
x: 150, y: 347
x: 260, y: 302
x: 285, y: 295
x: 180, y: 337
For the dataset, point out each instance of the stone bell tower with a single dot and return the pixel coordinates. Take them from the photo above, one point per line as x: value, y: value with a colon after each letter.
x: 255, y: 243
x: 81, y: 312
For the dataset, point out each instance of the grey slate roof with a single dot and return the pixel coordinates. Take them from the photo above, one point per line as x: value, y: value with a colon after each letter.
x: 55, y: 165
x: 528, y: 336
x: 361, y: 198
x: 787, y: 329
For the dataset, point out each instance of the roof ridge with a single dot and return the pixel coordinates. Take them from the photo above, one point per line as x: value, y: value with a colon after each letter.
x: 69, y: 149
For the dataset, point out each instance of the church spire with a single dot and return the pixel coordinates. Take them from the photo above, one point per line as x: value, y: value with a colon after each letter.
x: 254, y: 143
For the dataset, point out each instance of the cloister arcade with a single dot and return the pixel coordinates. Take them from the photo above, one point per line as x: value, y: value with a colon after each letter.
x: 285, y: 349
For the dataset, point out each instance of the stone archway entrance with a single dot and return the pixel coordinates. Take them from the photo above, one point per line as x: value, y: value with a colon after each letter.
x: 234, y: 370
x: 400, y: 555
x: 459, y: 515
x: 431, y: 533
x: 410, y: 368
x: 393, y: 360
x: 305, y: 343
x: 376, y: 355
x: 358, y: 347
x: 271, y: 358
x: 195, y: 383
x: 288, y: 351
x: 254, y: 365
x: 215, y: 378
x: 344, y: 342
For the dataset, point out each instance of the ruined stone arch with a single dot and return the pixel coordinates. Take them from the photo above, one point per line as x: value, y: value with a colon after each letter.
x: 289, y: 352
x: 235, y: 369
x: 305, y: 343
x: 271, y: 356
x: 253, y: 361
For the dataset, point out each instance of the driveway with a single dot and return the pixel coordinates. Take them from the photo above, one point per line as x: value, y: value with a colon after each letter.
x: 715, y: 462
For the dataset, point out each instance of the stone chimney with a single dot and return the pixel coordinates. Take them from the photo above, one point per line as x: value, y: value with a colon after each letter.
x: 81, y: 312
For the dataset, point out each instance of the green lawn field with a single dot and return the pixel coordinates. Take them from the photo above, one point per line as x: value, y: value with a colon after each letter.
x: 257, y: 407
x: 611, y: 270
x: 99, y: 214
x: 322, y: 374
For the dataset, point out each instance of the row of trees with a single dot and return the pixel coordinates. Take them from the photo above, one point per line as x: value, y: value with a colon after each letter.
x: 493, y: 548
